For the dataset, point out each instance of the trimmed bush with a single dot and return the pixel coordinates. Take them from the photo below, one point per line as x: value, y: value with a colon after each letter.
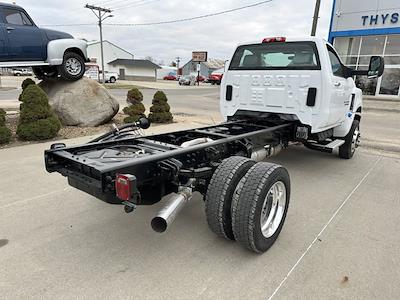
x: 136, y: 110
x: 134, y: 96
x: 37, y: 120
x: 27, y: 82
x: 2, y: 117
x: 160, y: 110
x: 5, y: 133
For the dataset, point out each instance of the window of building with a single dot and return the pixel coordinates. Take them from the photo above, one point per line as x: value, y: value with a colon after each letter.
x: 347, y: 46
x: 368, y: 46
x: 393, y: 45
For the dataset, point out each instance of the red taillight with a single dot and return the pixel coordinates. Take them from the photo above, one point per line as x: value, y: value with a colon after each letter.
x: 279, y: 39
x: 124, y: 186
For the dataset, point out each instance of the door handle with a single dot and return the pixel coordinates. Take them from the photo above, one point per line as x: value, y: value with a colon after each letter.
x: 337, y: 84
x: 10, y: 28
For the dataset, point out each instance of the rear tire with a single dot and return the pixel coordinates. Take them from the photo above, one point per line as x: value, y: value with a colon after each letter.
x: 352, y: 140
x: 73, y: 67
x: 112, y: 80
x: 260, y: 206
x: 220, y: 193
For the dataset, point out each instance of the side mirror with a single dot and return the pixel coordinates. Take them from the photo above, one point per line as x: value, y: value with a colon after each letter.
x: 376, y: 67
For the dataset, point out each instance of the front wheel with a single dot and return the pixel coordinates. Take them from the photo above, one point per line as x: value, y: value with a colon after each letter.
x: 260, y: 206
x: 73, y: 66
x: 352, y: 141
x: 112, y: 80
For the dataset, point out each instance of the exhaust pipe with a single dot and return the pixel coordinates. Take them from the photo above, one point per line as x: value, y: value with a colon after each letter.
x: 263, y: 153
x: 167, y: 215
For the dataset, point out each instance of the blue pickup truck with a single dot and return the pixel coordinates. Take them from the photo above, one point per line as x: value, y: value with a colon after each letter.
x: 50, y: 53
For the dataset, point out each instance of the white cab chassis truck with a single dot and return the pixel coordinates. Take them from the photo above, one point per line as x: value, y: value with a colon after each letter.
x: 301, y: 80
x: 274, y: 92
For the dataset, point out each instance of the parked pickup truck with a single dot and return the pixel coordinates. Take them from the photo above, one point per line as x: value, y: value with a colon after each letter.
x: 110, y: 77
x: 275, y: 92
x: 50, y: 53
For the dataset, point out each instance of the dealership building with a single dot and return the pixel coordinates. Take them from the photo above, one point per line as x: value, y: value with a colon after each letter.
x: 361, y: 29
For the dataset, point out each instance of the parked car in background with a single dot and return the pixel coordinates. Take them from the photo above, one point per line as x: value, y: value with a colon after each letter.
x: 22, y: 72
x: 201, y: 78
x: 50, y: 53
x: 170, y: 77
x: 110, y: 77
x: 187, y: 80
x: 216, y: 77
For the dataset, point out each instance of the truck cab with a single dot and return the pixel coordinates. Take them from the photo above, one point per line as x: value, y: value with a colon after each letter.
x: 301, y: 80
x: 23, y: 44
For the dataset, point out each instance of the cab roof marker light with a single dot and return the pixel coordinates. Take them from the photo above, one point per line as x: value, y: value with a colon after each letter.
x: 279, y: 39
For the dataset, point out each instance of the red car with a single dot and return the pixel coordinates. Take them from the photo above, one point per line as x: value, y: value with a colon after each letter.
x: 170, y: 77
x: 201, y: 78
x: 216, y: 77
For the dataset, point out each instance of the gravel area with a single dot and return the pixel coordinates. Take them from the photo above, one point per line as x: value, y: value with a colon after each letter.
x: 66, y: 132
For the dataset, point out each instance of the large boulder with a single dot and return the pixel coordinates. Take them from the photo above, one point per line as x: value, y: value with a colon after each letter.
x: 80, y: 103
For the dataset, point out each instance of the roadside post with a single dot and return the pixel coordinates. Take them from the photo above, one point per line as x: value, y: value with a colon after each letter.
x: 199, y: 57
x: 198, y: 73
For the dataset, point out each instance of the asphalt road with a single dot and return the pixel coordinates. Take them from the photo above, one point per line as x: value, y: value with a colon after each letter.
x: 340, y: 240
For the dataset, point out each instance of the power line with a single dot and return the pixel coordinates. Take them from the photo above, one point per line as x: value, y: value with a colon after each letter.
x: 168, y: 22
x: 193, y: 18
x: 141, y: 3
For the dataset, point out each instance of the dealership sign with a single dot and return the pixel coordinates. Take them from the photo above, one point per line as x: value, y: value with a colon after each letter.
x: 199, y: 56
x: 380, y: 19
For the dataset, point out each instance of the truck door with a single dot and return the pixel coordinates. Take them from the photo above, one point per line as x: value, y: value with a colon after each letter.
x: 3, y: 39
x: 25, y: 41
x: 340, y: 89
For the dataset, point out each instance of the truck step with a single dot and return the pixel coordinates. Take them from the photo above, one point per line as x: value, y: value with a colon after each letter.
x: 334, y: 144
x: 325, y: 148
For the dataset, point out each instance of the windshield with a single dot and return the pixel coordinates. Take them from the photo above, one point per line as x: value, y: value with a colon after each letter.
x: 282, y: 56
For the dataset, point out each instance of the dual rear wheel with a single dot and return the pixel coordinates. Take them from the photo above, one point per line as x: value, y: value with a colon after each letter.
x: 248, y: 202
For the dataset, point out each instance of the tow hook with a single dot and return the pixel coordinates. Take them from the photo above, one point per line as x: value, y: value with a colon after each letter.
x: 129, y: 207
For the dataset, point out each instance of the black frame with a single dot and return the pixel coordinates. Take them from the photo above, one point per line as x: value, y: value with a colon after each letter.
x: 167, y: 165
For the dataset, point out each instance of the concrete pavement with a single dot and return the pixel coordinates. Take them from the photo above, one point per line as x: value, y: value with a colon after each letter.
x: 340, y: 239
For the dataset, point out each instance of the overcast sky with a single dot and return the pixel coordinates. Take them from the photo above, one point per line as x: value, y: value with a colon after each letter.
x: 218, y: 35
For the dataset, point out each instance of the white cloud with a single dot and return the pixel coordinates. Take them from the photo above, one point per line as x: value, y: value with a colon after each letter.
x: 218, y: 35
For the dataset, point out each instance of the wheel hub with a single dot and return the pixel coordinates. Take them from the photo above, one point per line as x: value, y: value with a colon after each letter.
x: 73, y: 66
x: 273, y: 209
x: 355, y: 142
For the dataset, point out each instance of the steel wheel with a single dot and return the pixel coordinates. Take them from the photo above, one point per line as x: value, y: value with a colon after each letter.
x: 73, y: 66
x: 352, y: 141
x: 355, y: 142
x: 273, y: 209
x: 260, y: 206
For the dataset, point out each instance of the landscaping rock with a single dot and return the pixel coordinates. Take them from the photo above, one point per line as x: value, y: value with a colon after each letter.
x: 80, y: 103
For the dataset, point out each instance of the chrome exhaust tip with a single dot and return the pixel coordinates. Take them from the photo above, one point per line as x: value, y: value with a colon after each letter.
x: 174, y: 205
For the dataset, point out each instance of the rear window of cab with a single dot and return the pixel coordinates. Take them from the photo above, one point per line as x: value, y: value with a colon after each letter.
x: 276, y: 56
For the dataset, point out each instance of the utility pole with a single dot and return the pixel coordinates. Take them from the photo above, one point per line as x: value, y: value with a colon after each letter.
x: 316, y: 16
x: 178, y: 60
x: 101, y: 14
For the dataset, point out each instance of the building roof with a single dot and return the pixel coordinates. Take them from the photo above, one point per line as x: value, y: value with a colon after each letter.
x: 139, y: 63
x: 214, y: 63
x: 105, y: 41
x: 211, y: 63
